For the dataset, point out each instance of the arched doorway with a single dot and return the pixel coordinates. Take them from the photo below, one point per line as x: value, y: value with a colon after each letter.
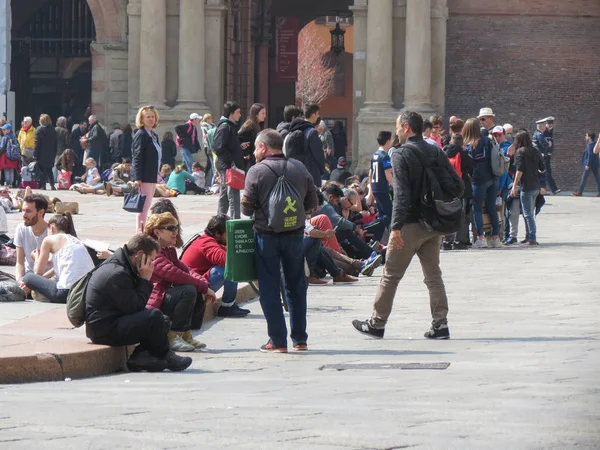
x: 51, y: 59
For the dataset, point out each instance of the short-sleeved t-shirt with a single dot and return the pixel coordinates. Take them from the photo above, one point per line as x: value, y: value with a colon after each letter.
x: 28, y: 241
x: 380, y: 162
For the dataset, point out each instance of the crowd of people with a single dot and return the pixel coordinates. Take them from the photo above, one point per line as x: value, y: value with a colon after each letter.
x: 312, y: 216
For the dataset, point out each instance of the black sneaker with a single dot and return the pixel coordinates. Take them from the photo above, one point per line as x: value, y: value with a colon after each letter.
x: 510, y: 241
x: 558, y: 191
x: 460, y: 246
x: 441, y: 332
x: 365, y: 327
x: 176, y: 363
x: 232, y: 311
x: 300, y: 346
x: 270, y: 348
x: 446, y: 246
x: 143, y: 361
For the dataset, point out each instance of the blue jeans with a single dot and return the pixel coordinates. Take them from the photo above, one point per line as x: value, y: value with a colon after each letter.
x: 485, y: 191
x: 315, y: 255
x: 272, y: 252
x: 528, y: 199
x: 188, y: 158
x: 217, y: 281
x: 384, y: 216
x: 586, y: 174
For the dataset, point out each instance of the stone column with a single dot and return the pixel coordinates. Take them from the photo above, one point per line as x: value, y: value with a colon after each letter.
x: 214, y: 39
x: 134, y: 10
x: 380, y: 51
x: 439, y: 27
x: 417, y: 78
x: 153, y: 53
x: 191, y: 55
x: 359, y: 12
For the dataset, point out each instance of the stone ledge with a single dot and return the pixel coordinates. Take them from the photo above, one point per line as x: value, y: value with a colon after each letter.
x: 45, y: 347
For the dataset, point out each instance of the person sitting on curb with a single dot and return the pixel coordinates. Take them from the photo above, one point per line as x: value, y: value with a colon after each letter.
x: 178, y: 181
x: 29, y: 236
x: 93, y: 181
x: 176, y: 289
x: 70, y: 259
x: 317, y: 257
x: 206, y: 256
x: 121, y: 179
x: 116, y: 313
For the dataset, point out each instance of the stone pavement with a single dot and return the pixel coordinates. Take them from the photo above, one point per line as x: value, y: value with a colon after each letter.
x: 523, y: 368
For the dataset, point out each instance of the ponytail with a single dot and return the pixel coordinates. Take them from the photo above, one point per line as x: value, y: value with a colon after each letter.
x: 64, y: 223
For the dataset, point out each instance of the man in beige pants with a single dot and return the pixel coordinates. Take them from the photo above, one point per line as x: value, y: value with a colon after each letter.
x: 409, y: 237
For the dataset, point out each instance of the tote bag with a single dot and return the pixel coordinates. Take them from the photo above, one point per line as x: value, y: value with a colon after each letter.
x: 134, y: 202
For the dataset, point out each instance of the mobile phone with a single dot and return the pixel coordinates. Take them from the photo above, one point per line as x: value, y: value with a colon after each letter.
x: 138, y: 260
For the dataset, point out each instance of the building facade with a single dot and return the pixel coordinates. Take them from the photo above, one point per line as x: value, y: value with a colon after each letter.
x: 525, y: 59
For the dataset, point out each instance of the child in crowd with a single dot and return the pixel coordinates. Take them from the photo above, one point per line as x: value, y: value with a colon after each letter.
x: 165, y: 172
x: 177, y: 181
x: 93, y: 181
x: 121, y: 179
x: 198, y: 174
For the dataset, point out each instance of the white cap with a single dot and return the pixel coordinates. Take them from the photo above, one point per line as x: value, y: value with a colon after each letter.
x: 549, y: 119
x: 541, y: 121
x: 485, y: 112
x: 195, y: 116
x: 498, y: 130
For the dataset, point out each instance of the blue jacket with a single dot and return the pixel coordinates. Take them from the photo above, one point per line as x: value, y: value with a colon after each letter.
x: 589, y: 158
x: 482, y: 165
x: 505, y: 181
x: 540, y: 142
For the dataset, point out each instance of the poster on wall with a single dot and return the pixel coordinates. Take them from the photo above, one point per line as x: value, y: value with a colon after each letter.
x: 286, y: 41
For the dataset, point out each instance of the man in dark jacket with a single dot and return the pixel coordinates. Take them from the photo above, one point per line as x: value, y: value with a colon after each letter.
x: 290, y: 113
x: 76, y: 136
x: 312, y: 151
x: 45, y: 150
x: 229, y: 153
x: 341, y: 173
x: 409, y: 237
x: 97, y: 143
x: 188, y: 141
x: 115, y: 308
x: 284, y: 249
x: 590, y: 164
x: 549, y: 136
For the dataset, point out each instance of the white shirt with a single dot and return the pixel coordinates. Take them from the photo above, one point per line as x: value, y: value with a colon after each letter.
x: 25, y: 239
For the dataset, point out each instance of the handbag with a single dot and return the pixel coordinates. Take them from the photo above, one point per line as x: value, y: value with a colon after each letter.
x: 235, y: 178
x: 64, y: 181
x: 134, y: 202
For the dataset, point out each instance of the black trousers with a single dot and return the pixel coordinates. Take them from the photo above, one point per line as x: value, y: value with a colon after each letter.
x: 147, y: 327
x: 46, y: 175
x: 354, y: 245
x: 185, y: 307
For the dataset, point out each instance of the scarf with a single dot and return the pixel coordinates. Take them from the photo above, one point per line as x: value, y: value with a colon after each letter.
x: 193, y: 131
x: 26, y: 128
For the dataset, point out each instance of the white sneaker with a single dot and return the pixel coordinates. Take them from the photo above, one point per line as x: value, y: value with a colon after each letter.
x: 495, y: 243
x: 177, y: 343
x: 480, y: 243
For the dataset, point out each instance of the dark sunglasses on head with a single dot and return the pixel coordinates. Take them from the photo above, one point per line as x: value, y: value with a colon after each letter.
x: 171, y: 228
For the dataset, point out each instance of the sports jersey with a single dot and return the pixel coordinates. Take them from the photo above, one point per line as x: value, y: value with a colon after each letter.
x: 380, y: 162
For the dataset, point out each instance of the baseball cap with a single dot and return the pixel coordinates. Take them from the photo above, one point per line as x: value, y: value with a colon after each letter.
x: 342, y: 161
x: 195, y: 116
x: 7, y: 126
x: 498, y: 130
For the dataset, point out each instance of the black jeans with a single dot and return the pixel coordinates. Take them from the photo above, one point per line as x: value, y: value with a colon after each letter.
x: 179, y: 305
x: 45, y: 287
x: 354, y: 245
x: 46, y: 175
x: 147, y: 327
x: 316, y: 255
x: 549, y: 177
x: 194, y: 188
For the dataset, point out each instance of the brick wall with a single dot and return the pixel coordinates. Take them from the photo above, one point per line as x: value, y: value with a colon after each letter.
x: 529, y: 60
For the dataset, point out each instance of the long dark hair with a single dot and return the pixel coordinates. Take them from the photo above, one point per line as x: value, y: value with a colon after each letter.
x: 523, y: 140
x: 252, y: 121
x: 64, y: 223
x: 164, y: 205
x: 67, y: 160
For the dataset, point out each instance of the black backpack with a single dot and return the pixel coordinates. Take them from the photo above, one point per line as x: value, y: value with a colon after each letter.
x: 440, y: 206
x: 295, y: 145
x: 286, y: 208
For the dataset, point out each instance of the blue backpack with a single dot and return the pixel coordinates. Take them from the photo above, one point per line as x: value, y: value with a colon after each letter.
x: 107, y: 175
x: 13, y: 150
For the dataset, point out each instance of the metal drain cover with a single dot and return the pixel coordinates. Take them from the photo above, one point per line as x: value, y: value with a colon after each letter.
x: 384, y: 366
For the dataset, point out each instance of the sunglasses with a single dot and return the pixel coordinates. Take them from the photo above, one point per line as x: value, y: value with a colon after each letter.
x: 483, y: 119
x: 172, y: 228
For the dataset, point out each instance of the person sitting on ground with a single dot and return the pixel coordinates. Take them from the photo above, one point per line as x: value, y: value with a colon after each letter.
x: 165, y: 172
x: 318, y: 260
x: 70, y: 260
x: 340, y: 173
x: 199, y: 175
x: 177, y: 290
x: 121, y: 179
x: 164, y: 205
x: 177, y: 181
x: 116, y: 313
x: 93, y: 181
x: 206, y: 256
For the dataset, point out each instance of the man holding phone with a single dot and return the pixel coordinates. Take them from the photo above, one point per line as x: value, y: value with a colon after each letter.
x: 116, y: 313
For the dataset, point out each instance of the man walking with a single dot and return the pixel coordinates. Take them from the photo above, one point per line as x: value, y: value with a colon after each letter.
x: 229, y: 153
x: 187, y: 140
x: 549, y: 135
x: 279, y: 249
x: 409, y: 236
x: 590, y: 163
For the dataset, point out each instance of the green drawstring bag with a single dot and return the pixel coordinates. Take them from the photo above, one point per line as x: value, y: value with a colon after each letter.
x: 240, y: 251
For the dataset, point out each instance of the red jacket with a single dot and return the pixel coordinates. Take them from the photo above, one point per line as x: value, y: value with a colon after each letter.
x: 168, y: 272
x: 204, y: 254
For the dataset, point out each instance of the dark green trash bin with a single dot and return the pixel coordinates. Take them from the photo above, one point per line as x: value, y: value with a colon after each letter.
x: 240, y: 251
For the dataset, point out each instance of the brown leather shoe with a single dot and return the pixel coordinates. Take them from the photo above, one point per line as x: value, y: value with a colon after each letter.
x: 316, y: 281
x: 344, y: 278
x: 576, y: 194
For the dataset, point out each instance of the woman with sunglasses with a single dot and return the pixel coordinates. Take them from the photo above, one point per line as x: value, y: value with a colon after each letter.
x: 177, y: 291
x: 146, y: 156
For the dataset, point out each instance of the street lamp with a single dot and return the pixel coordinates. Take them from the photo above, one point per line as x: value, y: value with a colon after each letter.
x: 337, y: 40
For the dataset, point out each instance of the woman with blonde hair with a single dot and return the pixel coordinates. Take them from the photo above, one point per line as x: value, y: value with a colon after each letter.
x: 178, y: 181
x: 146, y: 157
x: 45, y: 150
x: 177, y: 291
x: 485, y: 184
